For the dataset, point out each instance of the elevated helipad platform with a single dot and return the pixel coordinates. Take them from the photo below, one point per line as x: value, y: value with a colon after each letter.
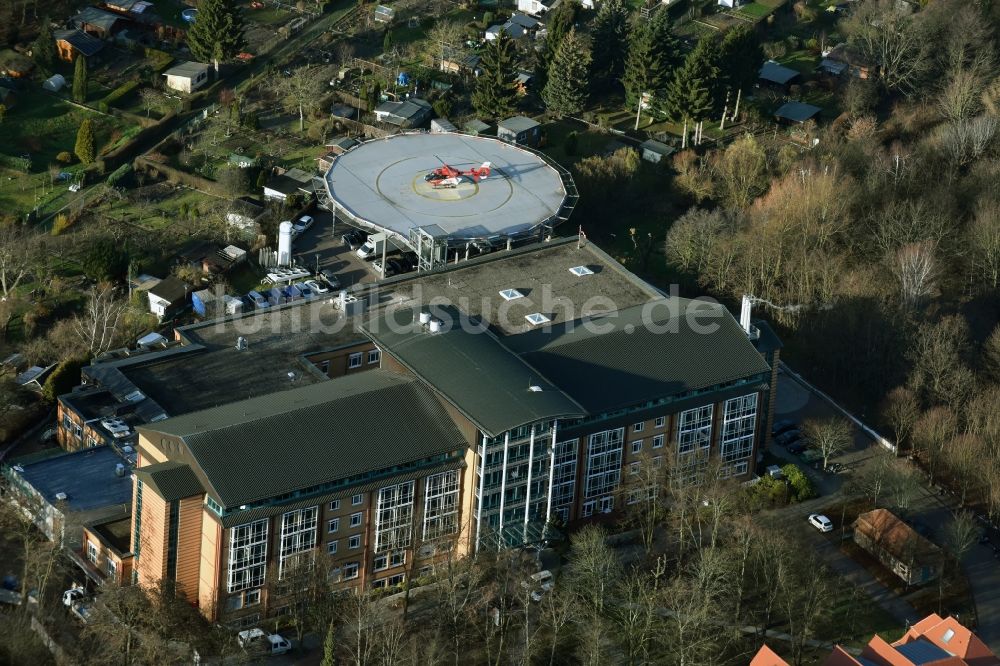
x: 381, y: 184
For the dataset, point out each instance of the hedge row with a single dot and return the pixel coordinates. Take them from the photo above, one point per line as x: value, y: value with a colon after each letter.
x: 119, y: 92
x: 160, y: 60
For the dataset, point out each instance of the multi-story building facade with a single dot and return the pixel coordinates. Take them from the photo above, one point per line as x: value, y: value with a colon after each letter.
x: 460, y: 408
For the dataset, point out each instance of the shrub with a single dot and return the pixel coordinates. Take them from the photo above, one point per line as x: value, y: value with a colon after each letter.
x: 442, y: 107
x: 799, y: 484
x: 61, y: 224
x: 63, y: 379
x: 65, y: 157
x: 118, y: 176
x: 570, y: 144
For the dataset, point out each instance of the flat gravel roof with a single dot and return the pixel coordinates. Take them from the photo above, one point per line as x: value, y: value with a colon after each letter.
x: 381, y: 182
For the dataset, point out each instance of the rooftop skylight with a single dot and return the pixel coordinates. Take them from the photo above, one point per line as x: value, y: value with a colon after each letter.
x: 580, y: 271
x: 536, y: 318
x: 511, y: 294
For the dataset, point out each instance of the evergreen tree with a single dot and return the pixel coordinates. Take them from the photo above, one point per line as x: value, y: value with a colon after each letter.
x: 690, y: 94
x: 80, y: 79
x: 43, y: 51
x: 558, y: 23
x: 387, y: 40
x: 495, y: 94
x: 653, y: 55
x: 610, y: 40
x: 740, y: 55
x: 85, y: 142
x: 218, y: 31
x: 329, y: 648
x: 567, y: 89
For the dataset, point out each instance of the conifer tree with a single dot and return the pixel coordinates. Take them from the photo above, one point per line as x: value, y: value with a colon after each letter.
x: 557, y: 24
x: 85, y: 142
x: 740, y: 55
x: 218, y: 31
x: 654, y: 53
x: 610, y: 40
x: 495, y: 94
x: 80, y: 79
x: 690, y: 94
x: 43, y: 51
x: 567, y: 89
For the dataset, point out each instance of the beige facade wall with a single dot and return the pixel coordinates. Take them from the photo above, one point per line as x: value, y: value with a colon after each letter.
x: 152, y: 564
x: 210, y: 557
x: 337, y: 362
x: 189, y: 546
x: 95, y: 551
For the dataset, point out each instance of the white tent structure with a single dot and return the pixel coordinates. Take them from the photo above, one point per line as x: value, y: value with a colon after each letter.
x: 55, y: 83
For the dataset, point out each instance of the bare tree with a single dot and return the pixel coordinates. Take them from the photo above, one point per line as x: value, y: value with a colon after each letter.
x: 917, y: 270
x: 558, y: 608
x: 830, y: 437
x: 965, y: 141
x: 959, y: 535
x: 16, y: 256
x: 301, y: 90
x: 875, y: 478
x: 890, y: 38
x: 741, y: 172
x: 931, y: 435
x: 901, y: 410
x: 984, y: 233
x: 644, y: 497
x: 99, y: 322
x: 360, y: 615
x: 938, y: 353
x: 594, y: 569
x: 151, y: 99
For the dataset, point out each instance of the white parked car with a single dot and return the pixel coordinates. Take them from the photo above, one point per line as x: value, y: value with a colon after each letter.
x: 316, y: 287
x: 73, y: 594
x: 302, y: 225
x: 269, y: 643
x: 820, y: 522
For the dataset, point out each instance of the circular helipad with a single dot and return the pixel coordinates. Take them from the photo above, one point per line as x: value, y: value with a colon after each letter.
x: 389, y: 184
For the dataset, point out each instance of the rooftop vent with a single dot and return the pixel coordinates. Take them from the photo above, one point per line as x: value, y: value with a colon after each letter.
x: 537, y: 318
x: 425, y: 318
x: 511, y: 294
x: 434, y: 326
x: 135, y: 396
x: 159, y: 417
x: 120, y: 470
x: 948, y: 635
x: 535, y: 388
x: 61, y: 497
x: 580, y: 271
x: 292, y: 376
x: 241, y: 343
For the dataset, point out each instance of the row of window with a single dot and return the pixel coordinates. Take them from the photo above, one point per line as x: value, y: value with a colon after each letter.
x: 355, y: 359
x: 333, y: 524
x: 110, y: 566
x: 660, y: 422
x: 657, y: 444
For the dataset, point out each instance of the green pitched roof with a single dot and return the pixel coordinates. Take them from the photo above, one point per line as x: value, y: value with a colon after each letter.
x: 661, y: 348
x: 275, y: 444
x: 472, y: 369
x: 171, y: 480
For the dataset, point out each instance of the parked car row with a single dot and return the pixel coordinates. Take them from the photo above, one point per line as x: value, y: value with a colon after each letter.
x: 305, y: 290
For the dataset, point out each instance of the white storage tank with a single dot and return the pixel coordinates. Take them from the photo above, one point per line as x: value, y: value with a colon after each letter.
x: 285, y: 243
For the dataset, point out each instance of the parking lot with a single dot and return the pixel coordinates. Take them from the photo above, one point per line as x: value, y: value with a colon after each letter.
x: 320, y: 247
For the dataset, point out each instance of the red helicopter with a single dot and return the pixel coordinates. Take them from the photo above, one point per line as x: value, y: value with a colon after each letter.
x: 446, y: 176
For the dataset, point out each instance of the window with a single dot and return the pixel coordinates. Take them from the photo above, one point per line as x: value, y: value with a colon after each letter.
x: 251, y: 598
x: 510, y: 294
x: 356, y: 500
x: 441, y: 504
x: 378, y: 584
x: 658, y: 442
x: 335, y: 505
x: 393, y: 516
x: 397, y: 579
x: 354, y: 542
x: 604, y: 462
x: 633, y: 469
x: 354, y: 360
x: 350, y: 571
x: 374, y: 355
x: 92, y: 552
x: 381, y: 562
x: 247, y: 555
x: 637, y: 446
x: 331, y: 548
x: 91, y: 441
x: 355, y: 519
x: 111, y: 567
x: 397, y: 558
x: 660, y: 421
x: 607, y: 504
x: 324, y: 367
x: 332, y: 525
x: 658, y: 461
x: 637, y: 427
x: 298, y: 539
x: 580, y: 271
x: 694, y: 428
x: 739, y: 422
x: 564, y: 473
x: 588, y: 508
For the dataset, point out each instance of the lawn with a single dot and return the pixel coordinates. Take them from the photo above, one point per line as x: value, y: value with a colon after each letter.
x: 589, y: 142
x: 854, y: 618
x: 803, y: 61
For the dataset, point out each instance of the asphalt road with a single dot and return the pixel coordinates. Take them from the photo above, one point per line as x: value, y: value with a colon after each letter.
x: 321, y: 247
